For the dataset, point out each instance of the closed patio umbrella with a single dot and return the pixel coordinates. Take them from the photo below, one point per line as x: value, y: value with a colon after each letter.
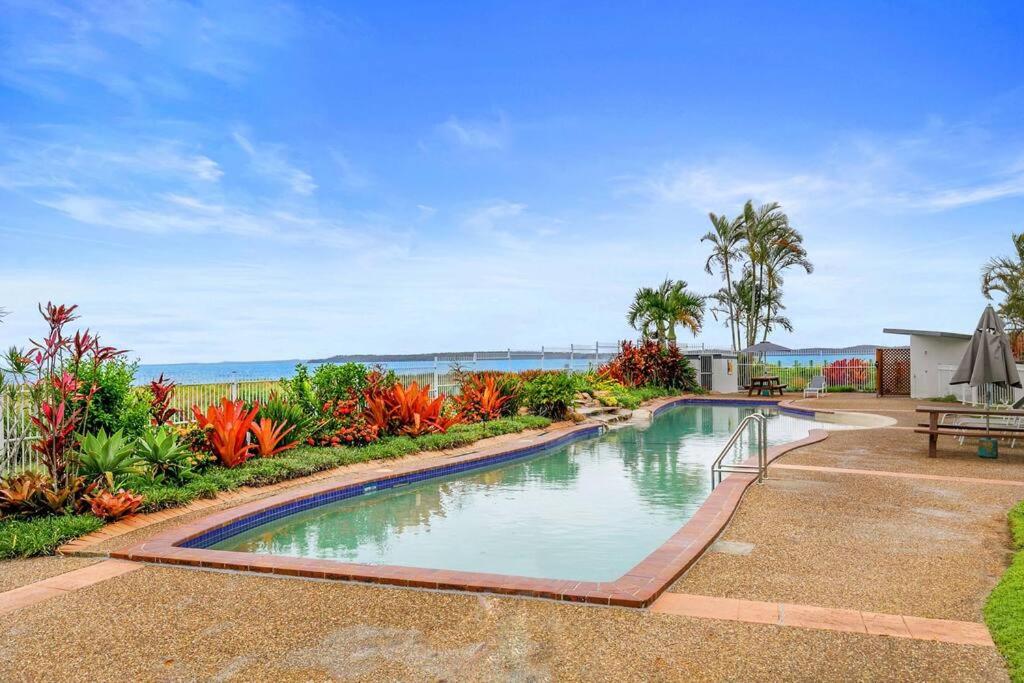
x: 989, y: 359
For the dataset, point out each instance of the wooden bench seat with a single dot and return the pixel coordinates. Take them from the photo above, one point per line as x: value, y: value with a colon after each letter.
x: 974, y: 432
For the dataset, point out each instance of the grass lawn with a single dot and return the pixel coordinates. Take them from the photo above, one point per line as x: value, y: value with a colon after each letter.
x: 43, y: 535
x: 1004, y: 610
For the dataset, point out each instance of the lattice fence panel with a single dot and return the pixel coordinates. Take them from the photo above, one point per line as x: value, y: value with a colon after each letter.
x: 894, y: 371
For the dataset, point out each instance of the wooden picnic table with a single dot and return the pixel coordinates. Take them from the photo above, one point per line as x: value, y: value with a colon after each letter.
x: 769, y: 383
x: 934, y: 430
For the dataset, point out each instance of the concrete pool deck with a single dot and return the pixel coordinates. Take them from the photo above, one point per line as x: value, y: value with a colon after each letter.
x: 827, y: 538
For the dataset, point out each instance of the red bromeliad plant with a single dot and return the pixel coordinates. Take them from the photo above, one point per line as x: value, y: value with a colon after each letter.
x: 160, y: 405
x: 228, y: 424
x: 408, y: 410
x: 484, y: 396
x: 48, y: 375
x: 269, y: 436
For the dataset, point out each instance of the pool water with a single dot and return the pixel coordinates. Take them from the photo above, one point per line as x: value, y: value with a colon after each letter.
x: 589, y: 510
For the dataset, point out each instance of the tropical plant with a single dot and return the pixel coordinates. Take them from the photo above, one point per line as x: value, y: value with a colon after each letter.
x: 415, y: 412
x: 1005, y: 275
x: 488, y: 395
x: 162, y: 391
x: 112, y: 506
x: 47, y: 376
x: 31, y: 494
x: 107, y: 459
x: 116, y: 403
x: 550, y: 395
x: 283, y: 411
x: 342, y: 423
x: 724, y: 239
x: 270, y: 437
x: 655, y: 312
x: 764, y: 245
x: 648, y: 364
x: 332, y: 382
x: 21, y: 495
x: 165, y: 457
x: 409, y: 410
x: 855, y: 371
x: 229, y: 425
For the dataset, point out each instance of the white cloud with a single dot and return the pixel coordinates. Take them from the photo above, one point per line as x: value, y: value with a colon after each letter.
x: 269, y: 161
x: 479, y: 135
x: 140, y: 49
x: 936, y: 169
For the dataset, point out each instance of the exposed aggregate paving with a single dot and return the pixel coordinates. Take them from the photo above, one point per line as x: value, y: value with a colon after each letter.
x: 889, y: 545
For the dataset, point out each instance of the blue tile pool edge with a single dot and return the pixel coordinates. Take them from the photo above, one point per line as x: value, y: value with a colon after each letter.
x: 213, y: 536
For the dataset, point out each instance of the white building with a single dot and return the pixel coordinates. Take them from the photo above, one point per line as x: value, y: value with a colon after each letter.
x: 933, y: 358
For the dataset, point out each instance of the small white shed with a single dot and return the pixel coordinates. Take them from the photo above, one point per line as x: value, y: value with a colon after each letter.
x: 933, y: 356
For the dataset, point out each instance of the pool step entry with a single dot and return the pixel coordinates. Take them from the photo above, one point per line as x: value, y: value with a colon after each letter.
x: 605, y: 414
x: 755, y: 426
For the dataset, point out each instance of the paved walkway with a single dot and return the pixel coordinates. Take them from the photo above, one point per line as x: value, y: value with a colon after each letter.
x: 858, y: 559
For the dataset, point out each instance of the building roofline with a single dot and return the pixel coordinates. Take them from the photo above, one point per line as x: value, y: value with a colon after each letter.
x: 927, y: 333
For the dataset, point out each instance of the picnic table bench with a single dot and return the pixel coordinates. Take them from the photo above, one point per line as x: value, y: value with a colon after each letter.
x: 934, y: 430
x: 769, y: 383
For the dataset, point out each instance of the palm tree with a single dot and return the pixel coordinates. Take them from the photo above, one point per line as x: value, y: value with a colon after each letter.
x: 1005, y: 275
x: 647, y: 314
x: 761, y: 227
x: 655, y: 313
x: 784, y: 251
x: 724, y: 239
x: 683, y: 308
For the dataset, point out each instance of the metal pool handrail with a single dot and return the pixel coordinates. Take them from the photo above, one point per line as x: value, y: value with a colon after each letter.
x: 761, y: 469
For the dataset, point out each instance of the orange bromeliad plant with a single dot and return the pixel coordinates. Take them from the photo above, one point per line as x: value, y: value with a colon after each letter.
x: 407, y: 410
x: 269, y: 435
x: 482, y: 398
x: 111, y: 506
x: 228, y: 425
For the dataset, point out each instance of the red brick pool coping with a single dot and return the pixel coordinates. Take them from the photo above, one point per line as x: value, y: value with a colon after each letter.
x: 639, y: 587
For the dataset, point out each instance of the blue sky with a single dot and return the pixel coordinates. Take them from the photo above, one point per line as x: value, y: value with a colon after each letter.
x: 258, y: 181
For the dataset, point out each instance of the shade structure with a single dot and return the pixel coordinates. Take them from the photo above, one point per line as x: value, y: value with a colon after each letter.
x: 989, y: 358
x: 764, y: 347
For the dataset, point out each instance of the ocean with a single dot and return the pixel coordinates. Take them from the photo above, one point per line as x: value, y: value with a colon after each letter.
x: 207, y: 373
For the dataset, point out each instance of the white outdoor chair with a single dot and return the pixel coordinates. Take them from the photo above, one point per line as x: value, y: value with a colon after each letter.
x: 816, y: 387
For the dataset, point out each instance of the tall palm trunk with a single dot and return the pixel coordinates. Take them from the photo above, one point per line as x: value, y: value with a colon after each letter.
x: 734, y: 324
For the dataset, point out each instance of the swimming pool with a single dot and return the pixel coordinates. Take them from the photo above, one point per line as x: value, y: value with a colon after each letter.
x: 587, y: 510
x: 605, y: 517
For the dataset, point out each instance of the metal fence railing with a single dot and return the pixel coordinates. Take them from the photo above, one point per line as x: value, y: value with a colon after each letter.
x: 839, y: 376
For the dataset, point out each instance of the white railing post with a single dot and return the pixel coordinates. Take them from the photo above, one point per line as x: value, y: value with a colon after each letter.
x: 234, y: 386
x: 542, y: 358
x: 572, y: 357
x: 437, y: 389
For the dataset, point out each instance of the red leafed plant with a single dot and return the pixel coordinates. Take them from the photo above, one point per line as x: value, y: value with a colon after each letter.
x: 111, y: 506
x: 483, y: 397
x: 160, y: 405
x: 343, y: 424
x: 45, y: 375
x: 269, y: 436
x: 408, y: 410
x: 847, y: 371
x: 648, y: 363
x: 228, y: 424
